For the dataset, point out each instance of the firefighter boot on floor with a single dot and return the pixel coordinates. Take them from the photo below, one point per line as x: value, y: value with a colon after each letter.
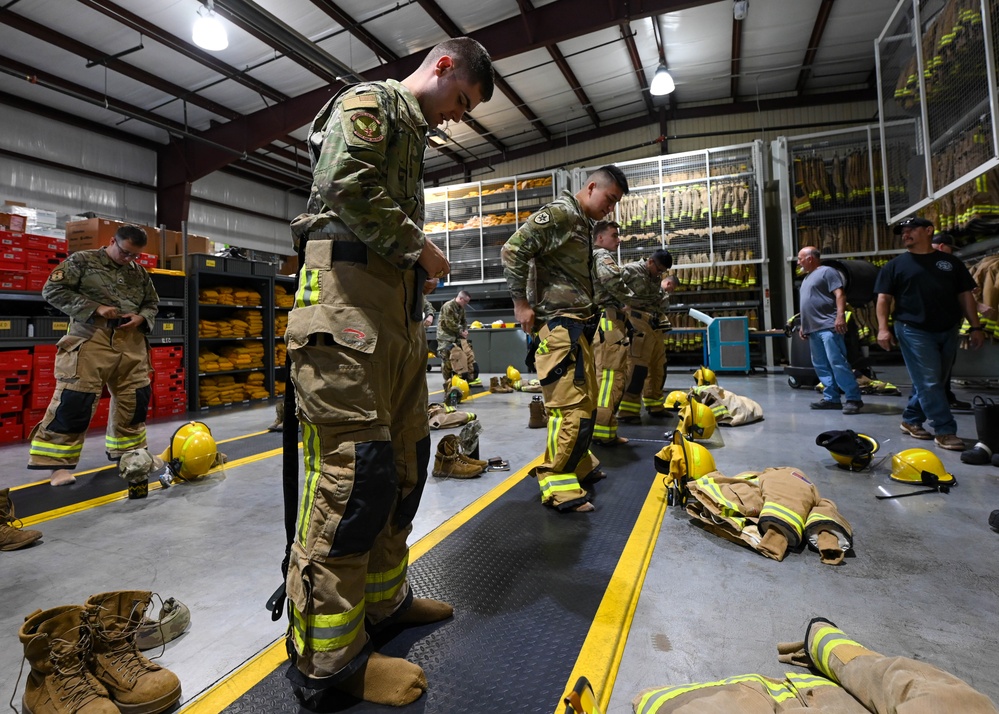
x: 539, y: 417
x: 449, y: 461
x: 12, y: 536
x: 135, y: 685
x: 57, y: 645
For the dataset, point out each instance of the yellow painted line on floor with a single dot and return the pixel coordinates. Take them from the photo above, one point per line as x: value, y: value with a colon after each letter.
x: 600, y: 656
x: 220, y: 696
x: 154, y: 485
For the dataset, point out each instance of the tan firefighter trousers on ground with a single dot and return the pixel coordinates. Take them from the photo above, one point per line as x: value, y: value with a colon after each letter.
x: 646, y: 368
x: 116, y: 358
x: 358, y: 363
x: 610, y: 352
x: 457, y: 359
x: 571, y: 403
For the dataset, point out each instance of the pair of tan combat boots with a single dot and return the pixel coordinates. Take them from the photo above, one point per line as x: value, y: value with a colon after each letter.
x: 500, y: 385
x: 84, y: 659
x: 451, y: 460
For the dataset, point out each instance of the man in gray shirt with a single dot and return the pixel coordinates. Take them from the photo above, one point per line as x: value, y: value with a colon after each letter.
x: 823, y: 324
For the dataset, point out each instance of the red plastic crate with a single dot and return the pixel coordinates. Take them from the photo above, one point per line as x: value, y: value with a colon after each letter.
x: 46, y: 243
x: 10, y: 433
x: 11, y: 403
x: 12, y: 280
x: 41, y: 395
x: 31, y: 418
x: 10, y: 240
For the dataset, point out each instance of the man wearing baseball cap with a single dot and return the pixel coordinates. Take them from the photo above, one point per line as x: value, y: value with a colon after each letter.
x: 932, y: 291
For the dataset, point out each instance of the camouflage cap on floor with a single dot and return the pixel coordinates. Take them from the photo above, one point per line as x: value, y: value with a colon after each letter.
x: 174, y: 618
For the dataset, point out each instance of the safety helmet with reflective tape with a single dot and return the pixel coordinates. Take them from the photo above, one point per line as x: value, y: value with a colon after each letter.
x: 675, y: 399
x: 920, y: 466
x: 705, y: 376
x: 192, y: 452
x: 697, y: 421
x: 680, y: 461
x: 512, y: 373
x: 850, y: 450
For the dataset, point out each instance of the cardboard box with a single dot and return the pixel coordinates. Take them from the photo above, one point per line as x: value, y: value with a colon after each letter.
x: 289, y: 266
x: 12, y: 222
x: 174, y: 244
x: 93, y: 233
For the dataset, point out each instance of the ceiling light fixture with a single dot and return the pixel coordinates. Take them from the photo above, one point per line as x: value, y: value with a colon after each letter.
x: 209, y: 34
x: 740, y: 9
x: 438, y: 137
x: 662, y: 82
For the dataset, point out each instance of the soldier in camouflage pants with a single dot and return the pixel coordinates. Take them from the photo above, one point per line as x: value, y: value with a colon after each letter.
x: 112, y: 304
x: 453, y: 346
x: 558, y: 240
x: 358, y: 352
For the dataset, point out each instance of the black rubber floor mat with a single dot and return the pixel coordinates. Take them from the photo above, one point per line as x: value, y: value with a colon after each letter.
x: 525, y: 582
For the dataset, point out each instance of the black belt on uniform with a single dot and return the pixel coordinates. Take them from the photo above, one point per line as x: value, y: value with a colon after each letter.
x: 350, y: 251
x: 648, y: 316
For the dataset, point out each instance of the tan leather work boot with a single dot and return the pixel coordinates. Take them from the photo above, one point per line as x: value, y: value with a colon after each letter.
x: 12, y: 535
x: 539, y: 417
x: 450, y: 462
x: 135, y: 685
x: 57, y: 645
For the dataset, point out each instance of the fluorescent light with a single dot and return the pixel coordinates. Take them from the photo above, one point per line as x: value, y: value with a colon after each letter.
x: 209, y: 34
x: 438, y: 137
x: 662, y: 82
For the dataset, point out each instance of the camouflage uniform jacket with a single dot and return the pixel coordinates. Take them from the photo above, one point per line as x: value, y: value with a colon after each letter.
x: 428, y: 308
x: 648, y: 295
x: 609, y: 287
x: 558, y: 238
x: 451, y: 322
x: 88, y: 279
x: 367, y: 148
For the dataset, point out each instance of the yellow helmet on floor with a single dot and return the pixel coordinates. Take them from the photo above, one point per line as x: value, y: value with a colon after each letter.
x: 697, y: 420
x: 680, y: 461
x: 476, y: 325
x: 705, y: 376
x: 461, y: 384
x: 850, y: 450
x: 920, y: 466
x: 192, y: 452
x: 512, y: 373
x: 675, y: 399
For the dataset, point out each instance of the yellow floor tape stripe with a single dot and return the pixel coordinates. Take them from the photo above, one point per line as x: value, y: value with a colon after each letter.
x: 600, y: 656
x: 240, y: 681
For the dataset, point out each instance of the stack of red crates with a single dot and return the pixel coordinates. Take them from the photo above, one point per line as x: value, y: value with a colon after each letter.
x: 26, y: 260
x: 43, y: 384
x: 169, y: 395
x: 15, y: 380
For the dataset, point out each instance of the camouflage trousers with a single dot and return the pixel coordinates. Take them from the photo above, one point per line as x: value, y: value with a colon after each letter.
x: 118, y: 359
x: 358, y: 362
x: 643, y: 384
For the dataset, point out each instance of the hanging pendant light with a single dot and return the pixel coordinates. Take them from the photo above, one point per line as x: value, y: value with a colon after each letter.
x: 209, y: 33
x: 662, y: 82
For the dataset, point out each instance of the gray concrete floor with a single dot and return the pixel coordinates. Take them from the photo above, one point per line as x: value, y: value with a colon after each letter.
x: 923, y: 581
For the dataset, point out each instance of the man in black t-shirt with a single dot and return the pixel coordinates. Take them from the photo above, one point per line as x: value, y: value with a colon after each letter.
x: 932, y: 291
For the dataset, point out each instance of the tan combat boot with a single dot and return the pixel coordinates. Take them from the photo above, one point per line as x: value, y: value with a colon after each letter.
x: 448, y: 463
x: 57, y: 644
x: 135, y: 685
x: 494, y: 385
x: 505, y: 385
x: 539, y: 417
x: 12, y: 536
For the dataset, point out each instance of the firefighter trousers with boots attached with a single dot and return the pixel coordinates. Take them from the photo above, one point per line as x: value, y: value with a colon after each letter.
x: 610, y: 352
x: 646, y: 371
x: 358, y: 363
x: 115, y: 358
x: 568, y: 382
x: 458, y: 358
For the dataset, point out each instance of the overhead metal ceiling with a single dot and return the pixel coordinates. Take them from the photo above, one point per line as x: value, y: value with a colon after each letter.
x: 567, y: 70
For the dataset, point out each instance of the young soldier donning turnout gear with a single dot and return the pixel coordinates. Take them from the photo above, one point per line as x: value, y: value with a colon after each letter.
x: 558, y: 240
x: 112, y: 304
x: 358, y: 354
x: 931, y: 290
x: 647, y: 356
x: 453, y: 346
x: 610, y: 351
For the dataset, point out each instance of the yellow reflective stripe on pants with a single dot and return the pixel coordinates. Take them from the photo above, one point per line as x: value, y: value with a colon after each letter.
x: 554, y: 424
x: 313, y: 473
x: 125, y: 443
x: 606, y: 388
x: 323, y: 633
x: 308, y: 289
x: 57, y: 451
x: 784, y: 515
x: 825, y: 641
x: 553, y: 483
x: 384, y: 586
x: 651, y: 701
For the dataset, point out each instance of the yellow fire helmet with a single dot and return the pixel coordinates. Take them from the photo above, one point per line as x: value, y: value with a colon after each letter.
x: 850, y: 450
x: 461, y: 384
x: 192, y: 452
x: 697, y: 420
x: 498, y: 323
x: 512, y: 373
x: 919, y: 466
x: 705, y: 376
x: 676, y: 399
x: 679, y: 461
x: 476, y: 325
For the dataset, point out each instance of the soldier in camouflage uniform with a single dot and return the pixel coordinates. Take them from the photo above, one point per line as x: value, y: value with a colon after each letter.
x: 563, y: 322
x: 358, y: 352
x: 429, y: 313
x: 453, y: 346
x: 112, y: 303
x: 647, y: 355
x: 611, y: 349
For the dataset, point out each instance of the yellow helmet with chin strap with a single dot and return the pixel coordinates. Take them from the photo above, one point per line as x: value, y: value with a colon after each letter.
x: 192, y: 452
x: 705, y: 376
x: 680, y: 461
x: 675, y: 399
x: 850, y: 450
x: 697, y: 420
x: 919, y: 466
x: 512, y: 373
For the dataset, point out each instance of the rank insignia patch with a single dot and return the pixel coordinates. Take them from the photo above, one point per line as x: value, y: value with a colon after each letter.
x: 542, y: 218
x: 367, y: 127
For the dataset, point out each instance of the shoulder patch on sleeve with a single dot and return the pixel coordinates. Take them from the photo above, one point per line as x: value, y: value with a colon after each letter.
x: 543, y: 218
x: 57, y: 275
x: 362, y: 117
